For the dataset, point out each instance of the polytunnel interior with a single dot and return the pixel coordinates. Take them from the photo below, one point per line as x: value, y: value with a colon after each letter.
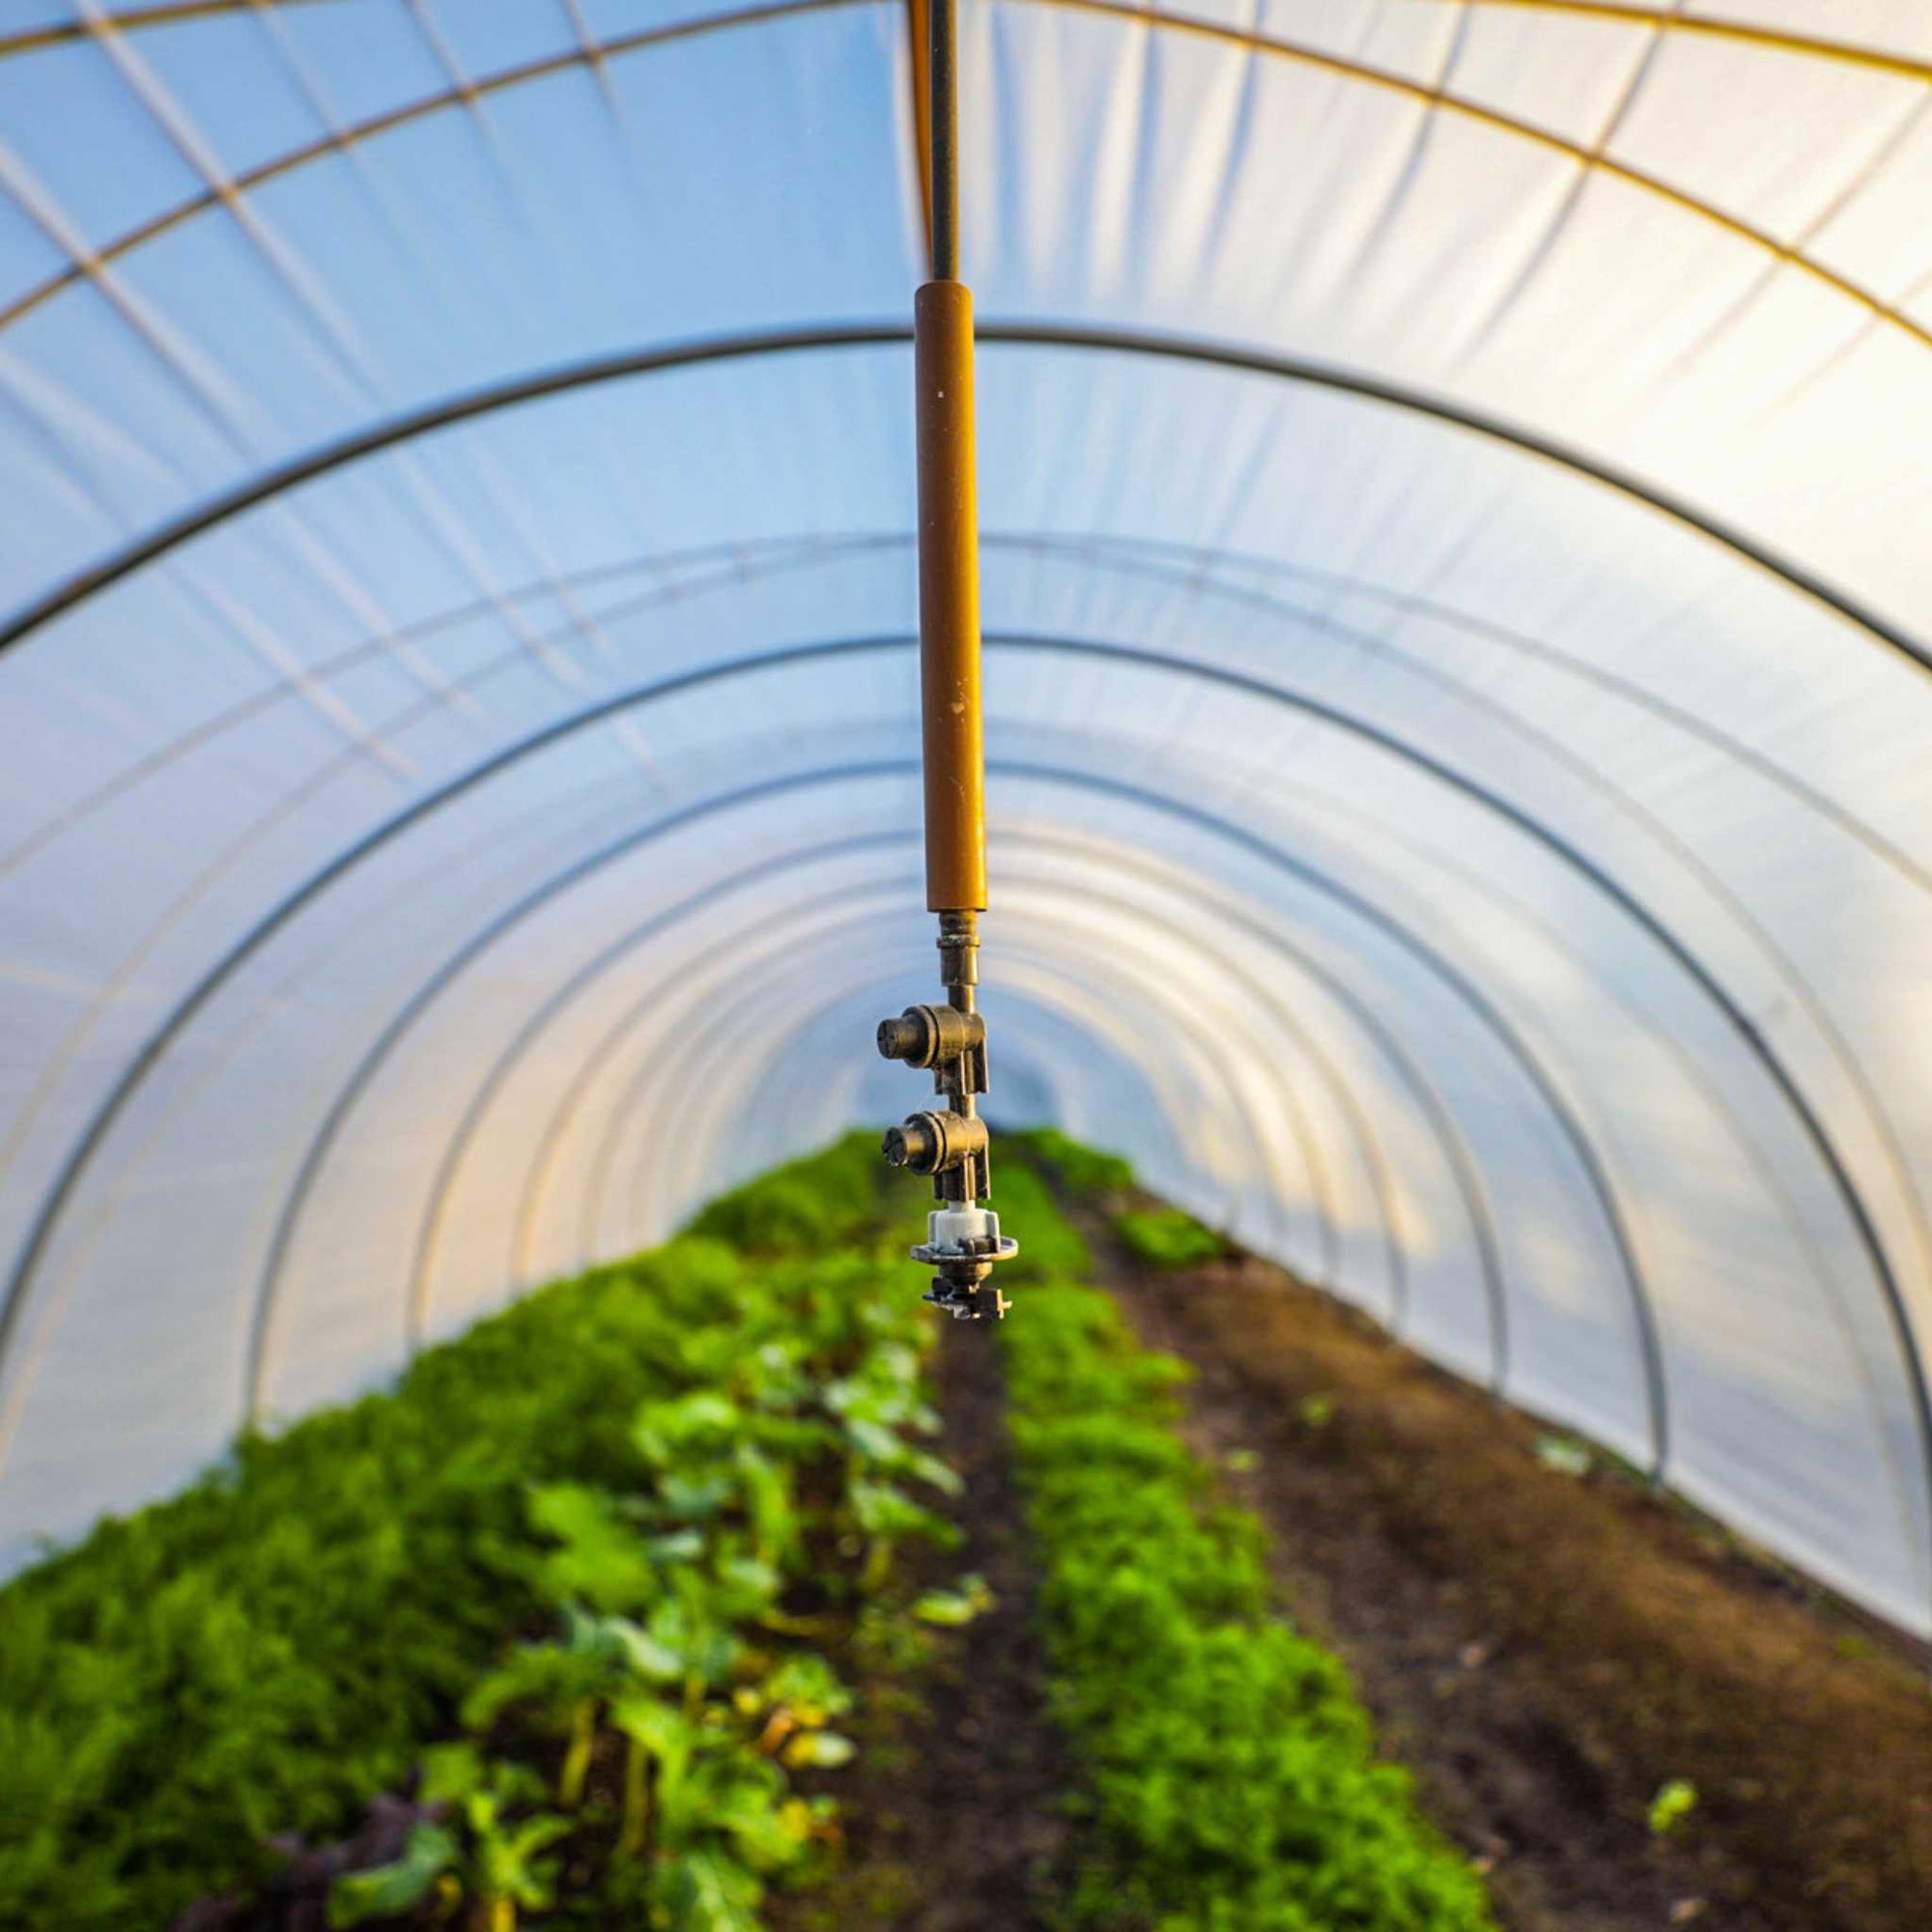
x: 1456, y: 624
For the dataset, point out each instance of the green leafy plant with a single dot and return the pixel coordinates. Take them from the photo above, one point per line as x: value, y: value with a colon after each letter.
x: 1081, y: 1169
x: 1165, y: 1238
x: 1565, y: 1455
x: 489, y: 1855
x: 266, y: 1652
x: 1674, y: 1803
x: 1051, y: 1247
x: 606, y: 1531
x: 950, y: 1608
x: 426, y: 1868
x: 703, y: 1892
x: 1227, y: 1766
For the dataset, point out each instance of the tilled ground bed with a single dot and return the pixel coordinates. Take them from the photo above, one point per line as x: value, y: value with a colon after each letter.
x: 1543, y: 1650
x: 1548, y: 1650
x: 953, y: 1813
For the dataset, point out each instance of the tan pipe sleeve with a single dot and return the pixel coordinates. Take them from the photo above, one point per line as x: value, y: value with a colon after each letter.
x: 949, y: 601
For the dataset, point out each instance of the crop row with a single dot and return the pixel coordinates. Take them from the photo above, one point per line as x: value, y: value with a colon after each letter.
x: 559, y: 1593
x: 554, y: 1628
x: 1231, y: 1783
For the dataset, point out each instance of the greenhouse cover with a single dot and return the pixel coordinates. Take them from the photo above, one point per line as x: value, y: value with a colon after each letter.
x: 1455, y: 482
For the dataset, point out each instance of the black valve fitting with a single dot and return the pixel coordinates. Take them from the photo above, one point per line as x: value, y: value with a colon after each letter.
x: 927, y: 1036
x: 934, y: 1143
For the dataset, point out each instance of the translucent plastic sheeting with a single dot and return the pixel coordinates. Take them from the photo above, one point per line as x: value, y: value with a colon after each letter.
x: 1457, y: 640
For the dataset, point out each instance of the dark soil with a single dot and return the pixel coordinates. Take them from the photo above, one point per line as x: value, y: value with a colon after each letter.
x: 952, y: 1811
x: 1546, y: 1650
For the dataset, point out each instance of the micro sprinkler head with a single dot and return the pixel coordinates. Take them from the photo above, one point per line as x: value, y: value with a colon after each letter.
x: 949, y: 1143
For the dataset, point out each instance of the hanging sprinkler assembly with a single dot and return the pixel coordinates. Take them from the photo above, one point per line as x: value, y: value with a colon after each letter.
x: 963, y: 1240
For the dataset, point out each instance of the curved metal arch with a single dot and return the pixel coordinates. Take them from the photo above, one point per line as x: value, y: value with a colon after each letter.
x: 577, y: 55
x: 1746, y: 33
x: 1374, y: 1158
x: 1516, y: 1047
x: 429, y: 1231
x: 1474, y: 1199
x: 167, y: 13
x: 322, y: 1142
x: 1721, y: 1106
x: 1457, y: 1158
x: 792, y: 553
x: 1434, y: 1110
x: 691, y: 1046
x: 1740, y: 1022
x: 1760, y: 1048
x: 691, y: 971
x: 1314, y: 1164
x: 1360, y: 1129
x: 1309, y: 1144
x: 589, y: 53
x: 1190, y: 565
x: 309, y: 1169
x: 1054, y: 987
x: 1687, y: 1063
x: 1794, y: 980
x: 602, y: 1166
x: 1786, y: 971
x: 403, y: 1020
x: 1585, y: 1150
x: 102, y: 1121
x: 1368, y: 1147
x: 1236, y: 914
x: 1460, y: 1163
x: 515, y: 390
x: 1213, y: 1051
x: 318, y: 882
x: 1582, y: 1149
x: 1438, y: 967
x: 1434, y: 100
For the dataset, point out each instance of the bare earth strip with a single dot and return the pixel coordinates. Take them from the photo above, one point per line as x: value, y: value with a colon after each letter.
x: 1548, y: 1650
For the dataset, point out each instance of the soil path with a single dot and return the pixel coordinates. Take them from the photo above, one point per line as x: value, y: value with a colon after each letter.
x: 1548, y: 1650
x: 953, y: 1813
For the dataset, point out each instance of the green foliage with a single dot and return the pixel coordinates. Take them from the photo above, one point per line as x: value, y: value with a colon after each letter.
x: 1165, y: 1238
x: 491, y: 1858
x: 600, y: 1534
x: 706, y: 1893
x: 674, y: 1665
x: 1228, y: 1768
x: 812, y: 1207
x: 387, y: 1892
x: 1565, y: 1455
x: 1078, y: 1168
x: 264, y: 1652
x: 1050, y: 1245
x: 953, y: 1608
x: 1674, y: 1803
x: 1317, y: 1410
